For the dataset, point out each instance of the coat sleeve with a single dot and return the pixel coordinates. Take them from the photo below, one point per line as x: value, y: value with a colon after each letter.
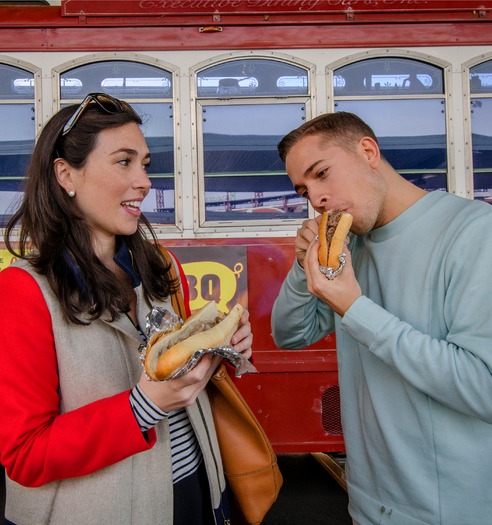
x: 39, y: 445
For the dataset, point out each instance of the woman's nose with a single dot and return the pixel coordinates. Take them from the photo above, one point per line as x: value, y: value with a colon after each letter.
x: 143, y: 180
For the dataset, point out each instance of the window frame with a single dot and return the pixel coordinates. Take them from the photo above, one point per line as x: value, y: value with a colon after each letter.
x: 467, y: 95
x: 409, y: 55
x: 35, y: 101
x: 200, y: 224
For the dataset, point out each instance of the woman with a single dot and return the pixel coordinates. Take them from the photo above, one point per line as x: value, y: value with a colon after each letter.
x: 84, y: 436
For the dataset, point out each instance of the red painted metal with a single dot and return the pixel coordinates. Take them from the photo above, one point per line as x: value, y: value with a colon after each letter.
x: 166, y: 7
x: 92, y: 39
x: 279, y: 24
x: 290, y: 407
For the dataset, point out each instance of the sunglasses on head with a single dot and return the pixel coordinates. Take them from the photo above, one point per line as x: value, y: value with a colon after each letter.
x: 107, y: 103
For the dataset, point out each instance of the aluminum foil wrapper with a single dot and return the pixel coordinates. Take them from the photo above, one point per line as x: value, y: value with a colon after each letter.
x: 329, y: 272
x: 241, y: 364
x: 160, y: 319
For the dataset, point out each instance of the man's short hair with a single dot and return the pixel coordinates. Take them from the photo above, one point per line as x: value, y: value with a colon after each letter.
x: 341, y: 128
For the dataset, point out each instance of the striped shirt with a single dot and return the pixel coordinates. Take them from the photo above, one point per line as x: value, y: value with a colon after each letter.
x: 186, y: 454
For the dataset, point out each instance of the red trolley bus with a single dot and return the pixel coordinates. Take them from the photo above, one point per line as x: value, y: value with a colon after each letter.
x: 219, y: 82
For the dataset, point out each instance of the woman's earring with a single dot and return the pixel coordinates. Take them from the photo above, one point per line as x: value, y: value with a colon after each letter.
x: 71, y: 193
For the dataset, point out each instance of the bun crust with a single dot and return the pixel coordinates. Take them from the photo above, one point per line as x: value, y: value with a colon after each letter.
x: 333, y: 230
x: 204, y: 329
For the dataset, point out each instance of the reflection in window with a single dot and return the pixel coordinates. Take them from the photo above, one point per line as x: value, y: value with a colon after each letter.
x: 481, y: 78
x: 137, y: 85
x: 158, y: 129
x: 119, y: 78
x: 388, y: 75
x: 252, y: 77
x: 16, y: 138
x: 481, y: 117
x: 411, y: 130
x: 411, y: 135
x: 244, y: 177
x: 134, y: 80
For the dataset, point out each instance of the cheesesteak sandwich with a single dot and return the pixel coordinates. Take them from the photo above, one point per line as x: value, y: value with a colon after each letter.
x: 333, y: 230
x: 206, y: 328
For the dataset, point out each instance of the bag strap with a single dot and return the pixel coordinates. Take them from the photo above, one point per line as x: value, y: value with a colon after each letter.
x: 177, y: 299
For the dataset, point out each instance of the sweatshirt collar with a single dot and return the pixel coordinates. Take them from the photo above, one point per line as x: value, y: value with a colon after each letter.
x: 411, y: 216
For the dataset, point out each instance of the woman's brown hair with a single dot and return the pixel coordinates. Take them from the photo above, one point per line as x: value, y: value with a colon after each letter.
x: 54, y: 236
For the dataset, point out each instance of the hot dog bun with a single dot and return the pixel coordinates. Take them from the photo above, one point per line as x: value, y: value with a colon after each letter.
x: 166, y: 352
x: 333, y: 230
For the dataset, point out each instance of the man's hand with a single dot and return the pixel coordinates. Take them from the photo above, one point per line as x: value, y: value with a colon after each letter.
x: 305, y: 236
x: 338, y: 293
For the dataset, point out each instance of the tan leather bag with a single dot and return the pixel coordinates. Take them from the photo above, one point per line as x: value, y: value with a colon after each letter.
x: 250, y: 464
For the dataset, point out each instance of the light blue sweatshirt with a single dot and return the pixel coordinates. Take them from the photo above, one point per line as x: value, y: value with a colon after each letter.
x: 415, y: 364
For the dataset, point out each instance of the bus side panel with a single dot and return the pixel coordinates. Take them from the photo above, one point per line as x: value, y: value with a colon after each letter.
x: 295, y: 394
x: 299, y: 411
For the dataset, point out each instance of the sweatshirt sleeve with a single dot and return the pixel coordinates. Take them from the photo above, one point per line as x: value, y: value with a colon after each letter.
x: 39, y: 445
x: 451, y: 359
x: 298, y: 318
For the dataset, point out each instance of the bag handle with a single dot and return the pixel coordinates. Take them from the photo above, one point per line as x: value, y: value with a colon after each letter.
x: 177, y: 299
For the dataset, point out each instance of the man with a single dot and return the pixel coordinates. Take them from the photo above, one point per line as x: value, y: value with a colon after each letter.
x: 412, y: 315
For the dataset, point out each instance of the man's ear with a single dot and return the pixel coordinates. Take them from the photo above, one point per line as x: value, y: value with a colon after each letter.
x: 63, y: 173
x: 370, y: 150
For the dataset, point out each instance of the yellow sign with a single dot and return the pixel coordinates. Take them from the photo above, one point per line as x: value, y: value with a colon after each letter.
x: 210, y: 280
x: 6, y: 259
x: 215, y: 273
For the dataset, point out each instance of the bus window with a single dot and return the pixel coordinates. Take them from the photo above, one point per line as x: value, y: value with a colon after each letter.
x: 252, y: 77
x: 150, y: 90
x: 481, y: 117
x: 244, y: 108
x: 16, y: 138
x: 388, y: 76
x: 403, y: 101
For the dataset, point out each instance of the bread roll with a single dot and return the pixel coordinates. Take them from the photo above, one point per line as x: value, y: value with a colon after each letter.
x: 204, y: 329
x: 333, y: 230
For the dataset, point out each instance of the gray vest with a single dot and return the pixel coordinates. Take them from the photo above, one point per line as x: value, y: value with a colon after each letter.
x: 97, y: 361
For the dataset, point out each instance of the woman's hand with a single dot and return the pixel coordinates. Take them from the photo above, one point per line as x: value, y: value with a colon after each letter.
x: 243, y: 337
x: 183, y: 391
